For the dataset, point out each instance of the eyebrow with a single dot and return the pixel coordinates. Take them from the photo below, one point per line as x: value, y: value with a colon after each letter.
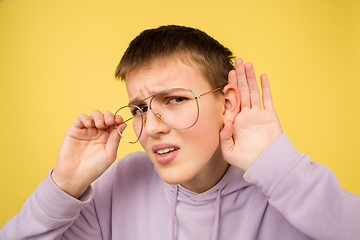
x: 135, y: 101
x: 139, y: 101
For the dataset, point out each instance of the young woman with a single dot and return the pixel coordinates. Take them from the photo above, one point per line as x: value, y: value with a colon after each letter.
x: 216, y: 163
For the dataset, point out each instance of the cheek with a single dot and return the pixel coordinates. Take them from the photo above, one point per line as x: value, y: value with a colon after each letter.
x: 139, y: 131
x: 210, y: 118
x: 206, y: 131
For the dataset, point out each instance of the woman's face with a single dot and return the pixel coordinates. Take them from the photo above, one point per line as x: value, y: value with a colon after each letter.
x: 191, y: 157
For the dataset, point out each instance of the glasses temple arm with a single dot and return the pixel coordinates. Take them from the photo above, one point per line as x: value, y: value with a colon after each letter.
x: 214, y: 90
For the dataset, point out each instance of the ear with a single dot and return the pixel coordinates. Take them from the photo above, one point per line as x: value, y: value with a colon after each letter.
x: 232, y: 103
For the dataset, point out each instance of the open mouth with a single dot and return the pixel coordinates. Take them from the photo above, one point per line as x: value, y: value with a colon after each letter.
x: 166, y: 150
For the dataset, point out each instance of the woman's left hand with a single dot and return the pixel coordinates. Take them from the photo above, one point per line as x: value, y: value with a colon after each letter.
x: 256, y: 125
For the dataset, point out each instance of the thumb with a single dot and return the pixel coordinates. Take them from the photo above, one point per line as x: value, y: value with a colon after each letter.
x: 113, y: 141
x: 226, y: 137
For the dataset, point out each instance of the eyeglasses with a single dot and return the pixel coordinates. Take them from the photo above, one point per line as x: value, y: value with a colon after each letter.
x: 176, y: 107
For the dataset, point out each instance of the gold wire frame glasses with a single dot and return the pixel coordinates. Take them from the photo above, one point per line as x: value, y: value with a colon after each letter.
x: 176, y: 107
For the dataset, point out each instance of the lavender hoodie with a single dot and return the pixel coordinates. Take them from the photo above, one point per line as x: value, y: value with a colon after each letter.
x: 283, y: 195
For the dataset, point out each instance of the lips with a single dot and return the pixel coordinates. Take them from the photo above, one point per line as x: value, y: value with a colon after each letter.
x: 165, y: 153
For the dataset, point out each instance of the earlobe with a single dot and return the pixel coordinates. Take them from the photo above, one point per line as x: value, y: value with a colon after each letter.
x: 232, y: 103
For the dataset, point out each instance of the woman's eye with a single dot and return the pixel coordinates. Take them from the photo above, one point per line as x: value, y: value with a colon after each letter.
x: 144, y: 108
x: 136, y: 111
x: 175, y: 100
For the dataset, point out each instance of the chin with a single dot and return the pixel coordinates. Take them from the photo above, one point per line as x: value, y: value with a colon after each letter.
x: 173, y: 178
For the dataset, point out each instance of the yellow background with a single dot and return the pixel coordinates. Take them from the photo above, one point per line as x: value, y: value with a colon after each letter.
x: 57, y: 60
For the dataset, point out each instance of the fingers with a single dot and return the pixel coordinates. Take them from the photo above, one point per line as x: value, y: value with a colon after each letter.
x: 266, y: 92
x: 98, y: 120
x: 253, y: 87
x: 242, y: 84
x: 83, y: 121
x: 245, y: 79
x: 113, y: 141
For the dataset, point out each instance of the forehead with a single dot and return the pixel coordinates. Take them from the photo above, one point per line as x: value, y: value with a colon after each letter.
x: 162, y: 74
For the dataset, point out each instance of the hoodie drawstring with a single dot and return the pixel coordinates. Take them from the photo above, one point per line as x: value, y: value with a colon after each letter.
x: 173, y: 220
x: 217, y: 216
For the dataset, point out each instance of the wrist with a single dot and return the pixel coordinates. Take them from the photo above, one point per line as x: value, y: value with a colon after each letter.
x: 68, y: 186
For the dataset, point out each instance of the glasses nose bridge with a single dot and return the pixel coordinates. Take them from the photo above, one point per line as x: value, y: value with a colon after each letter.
x: 150, y: 114
x: 156, y: 112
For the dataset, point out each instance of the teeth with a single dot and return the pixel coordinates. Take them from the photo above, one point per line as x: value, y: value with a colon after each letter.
x: 165, y: 150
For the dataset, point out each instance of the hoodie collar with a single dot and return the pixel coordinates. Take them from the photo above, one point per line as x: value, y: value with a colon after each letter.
x: 232, y: 181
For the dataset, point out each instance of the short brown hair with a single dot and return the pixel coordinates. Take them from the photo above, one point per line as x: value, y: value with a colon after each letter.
x: 214, y: 59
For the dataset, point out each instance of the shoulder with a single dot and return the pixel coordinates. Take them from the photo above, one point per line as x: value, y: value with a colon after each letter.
x: 130, y: 170
x: 134, y: 165
x: 127, y: 183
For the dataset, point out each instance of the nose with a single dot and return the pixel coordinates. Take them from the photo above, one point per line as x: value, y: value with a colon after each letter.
x: 153, y: 127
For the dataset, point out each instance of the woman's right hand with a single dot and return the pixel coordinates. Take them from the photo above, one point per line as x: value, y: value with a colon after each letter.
x: 87, y: 151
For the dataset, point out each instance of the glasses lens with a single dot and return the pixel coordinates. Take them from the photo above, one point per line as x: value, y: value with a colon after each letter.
x: 132, y: 116
x: 176, y: 107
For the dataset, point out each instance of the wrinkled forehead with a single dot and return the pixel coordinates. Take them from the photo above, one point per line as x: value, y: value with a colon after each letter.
x: 161, y: 74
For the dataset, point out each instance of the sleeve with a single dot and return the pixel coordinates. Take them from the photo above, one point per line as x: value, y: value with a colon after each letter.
x: 50, y: 213
x: 306, y: 193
